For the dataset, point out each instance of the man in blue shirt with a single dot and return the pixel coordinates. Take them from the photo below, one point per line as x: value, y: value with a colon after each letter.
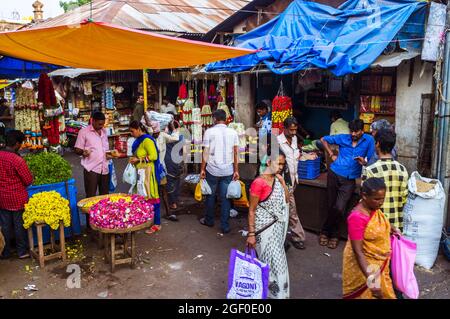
x: 354, y: 148
x: 265, y: 119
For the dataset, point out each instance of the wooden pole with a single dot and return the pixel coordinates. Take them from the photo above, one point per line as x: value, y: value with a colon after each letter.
x: 144, y: 88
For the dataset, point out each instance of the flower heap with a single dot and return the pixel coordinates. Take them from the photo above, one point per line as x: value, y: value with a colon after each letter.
x: 47, y: 207
x: 118, y: 212
x: 281, y: 110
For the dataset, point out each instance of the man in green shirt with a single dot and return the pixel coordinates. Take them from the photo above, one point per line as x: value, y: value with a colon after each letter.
x: 138, y: 112
x: 338, y: 124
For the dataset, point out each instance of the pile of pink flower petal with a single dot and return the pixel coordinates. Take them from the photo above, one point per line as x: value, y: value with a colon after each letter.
x: 121, y: 213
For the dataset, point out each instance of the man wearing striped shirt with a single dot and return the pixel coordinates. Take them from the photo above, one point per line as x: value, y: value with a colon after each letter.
x: 395, y: 177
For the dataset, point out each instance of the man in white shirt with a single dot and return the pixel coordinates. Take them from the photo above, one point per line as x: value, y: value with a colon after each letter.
x: 167, y: 107
x: 289, y: 146
x: 219, y: 167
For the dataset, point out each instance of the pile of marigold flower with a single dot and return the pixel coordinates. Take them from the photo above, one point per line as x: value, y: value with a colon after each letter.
x: 47, y: 207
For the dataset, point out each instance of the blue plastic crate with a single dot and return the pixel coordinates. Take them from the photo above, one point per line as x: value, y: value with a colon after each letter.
x: 309, y: 169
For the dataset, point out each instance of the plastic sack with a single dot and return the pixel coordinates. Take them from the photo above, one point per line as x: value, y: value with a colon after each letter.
x: 130, y: 176
x: 402, y: 266
x: 243, y: 201
x: 234, y: 190
x: 163, y: 118
x: 206, y: 190
x: 112, y: 176
x: 198, y: 192
x: 248, y: 278
x: 423, y: 217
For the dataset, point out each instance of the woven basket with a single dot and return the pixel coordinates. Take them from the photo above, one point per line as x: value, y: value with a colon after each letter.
x: 82, y: 203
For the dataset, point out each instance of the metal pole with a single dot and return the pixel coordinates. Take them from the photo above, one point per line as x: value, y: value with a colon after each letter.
x: 444, y: 108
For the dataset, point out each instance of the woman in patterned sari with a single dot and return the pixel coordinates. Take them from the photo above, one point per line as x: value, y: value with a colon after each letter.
x: 268, y: 220
x: 365, y: 271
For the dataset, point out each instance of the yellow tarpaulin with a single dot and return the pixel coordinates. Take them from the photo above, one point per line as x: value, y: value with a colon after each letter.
x: 103, y: 46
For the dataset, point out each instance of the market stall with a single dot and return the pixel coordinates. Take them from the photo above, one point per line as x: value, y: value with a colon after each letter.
x: 311, y: 96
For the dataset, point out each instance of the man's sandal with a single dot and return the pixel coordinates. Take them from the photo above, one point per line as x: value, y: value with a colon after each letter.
x: 333, y: 243
x: 172, y: 218
x: 323, y: 240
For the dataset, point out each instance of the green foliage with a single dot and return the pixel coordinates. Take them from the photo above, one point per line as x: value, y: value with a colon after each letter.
x: 69, y: 5
x: 48, y: 168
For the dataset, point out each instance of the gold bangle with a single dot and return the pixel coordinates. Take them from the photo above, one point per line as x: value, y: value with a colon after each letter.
x: 251, y: 235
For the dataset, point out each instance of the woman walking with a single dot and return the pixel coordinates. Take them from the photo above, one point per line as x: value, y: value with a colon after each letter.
x: 145, y: 154
x: 268, y: 222
x: 365, y: 271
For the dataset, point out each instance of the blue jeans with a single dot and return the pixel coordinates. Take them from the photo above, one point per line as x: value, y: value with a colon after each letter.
x: 219, y: 186
x: 12, y: 225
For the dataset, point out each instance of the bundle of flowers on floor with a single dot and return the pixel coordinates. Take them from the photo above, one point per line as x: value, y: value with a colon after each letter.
x: 47, y: 207
x: 120, y: 212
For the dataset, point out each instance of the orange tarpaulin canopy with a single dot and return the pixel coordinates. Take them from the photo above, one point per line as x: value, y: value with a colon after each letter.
x: 103, y: 46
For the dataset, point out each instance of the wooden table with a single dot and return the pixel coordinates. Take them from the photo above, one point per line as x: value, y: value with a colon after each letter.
x: 312, y: 204
x: 125, y: 253
x: 40, y: 254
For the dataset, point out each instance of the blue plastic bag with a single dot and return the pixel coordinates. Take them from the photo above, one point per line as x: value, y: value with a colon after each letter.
x: 112, y: 176
x: 248, y: 278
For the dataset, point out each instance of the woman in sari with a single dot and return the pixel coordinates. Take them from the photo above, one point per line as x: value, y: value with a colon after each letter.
x: 145, y: 154
x: 365, y: 271
x: 268, y: 220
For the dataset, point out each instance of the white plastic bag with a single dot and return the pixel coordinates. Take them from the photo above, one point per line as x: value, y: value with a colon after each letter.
x: 130, y: 176
x: 206, y: 190
x: 141, y: 190
x: 192, y: 179
x: 234, y: 190
x: 423, y: 219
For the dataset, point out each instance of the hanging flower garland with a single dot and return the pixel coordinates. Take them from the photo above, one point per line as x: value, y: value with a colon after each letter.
x: 281, y: 110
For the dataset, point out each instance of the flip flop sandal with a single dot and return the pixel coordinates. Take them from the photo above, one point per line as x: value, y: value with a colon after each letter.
x: 333, y: 243
x: 323, y: 240
x: 153, y: 230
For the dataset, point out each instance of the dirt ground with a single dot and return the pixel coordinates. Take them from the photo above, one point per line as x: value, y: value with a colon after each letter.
x: 185, y: 260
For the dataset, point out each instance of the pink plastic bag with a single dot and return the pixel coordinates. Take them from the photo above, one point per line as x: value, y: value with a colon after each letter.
x: 402, y: 266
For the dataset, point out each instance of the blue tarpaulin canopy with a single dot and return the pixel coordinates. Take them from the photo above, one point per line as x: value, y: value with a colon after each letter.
x: 11, y: 68
x: 343, y: 40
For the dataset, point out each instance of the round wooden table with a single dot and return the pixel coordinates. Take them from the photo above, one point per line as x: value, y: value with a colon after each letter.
x: 124, y: 253
x: 82, y: 206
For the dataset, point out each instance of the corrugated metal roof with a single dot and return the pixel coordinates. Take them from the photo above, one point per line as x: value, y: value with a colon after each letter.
x: 181, y: 16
